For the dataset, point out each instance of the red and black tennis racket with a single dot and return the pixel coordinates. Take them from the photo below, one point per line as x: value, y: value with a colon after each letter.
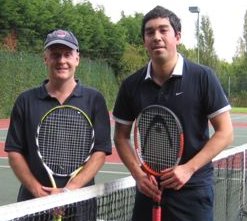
x: 65, y: 139
x: 159, y: 143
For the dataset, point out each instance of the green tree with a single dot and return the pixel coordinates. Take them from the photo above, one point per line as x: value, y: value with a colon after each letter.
x: 188, y: 53
x: 132, y: 27
x: 206, y: 42
x: 245, y: 31
x: 240, y: 50
x: 239, y: 81
x: 25, y: 25
x: 238, y: 70
x: 31, y: 20
x: 134, y: 58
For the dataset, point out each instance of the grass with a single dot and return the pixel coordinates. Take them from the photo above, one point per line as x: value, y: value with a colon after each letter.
x: 239, y: 110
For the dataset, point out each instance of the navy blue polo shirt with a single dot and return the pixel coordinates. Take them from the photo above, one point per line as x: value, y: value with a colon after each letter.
x: 193, y: 93
x: 32, y: 104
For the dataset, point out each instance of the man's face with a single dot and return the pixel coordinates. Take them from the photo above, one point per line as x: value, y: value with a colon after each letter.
x: 61, y: 61
x: 160, y: 39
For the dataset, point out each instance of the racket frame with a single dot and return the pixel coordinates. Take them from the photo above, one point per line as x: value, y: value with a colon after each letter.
x: 50, y: 172
x: 144, y: 165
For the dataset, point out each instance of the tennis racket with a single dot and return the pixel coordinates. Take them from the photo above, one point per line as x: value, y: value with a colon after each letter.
x: 159, y: 143
x: 65, y: 138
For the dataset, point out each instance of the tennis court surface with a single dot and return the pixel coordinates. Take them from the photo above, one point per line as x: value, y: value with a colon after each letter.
x: 113, y: 195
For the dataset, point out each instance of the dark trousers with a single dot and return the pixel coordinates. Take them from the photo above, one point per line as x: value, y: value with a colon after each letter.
x: 188, y: 204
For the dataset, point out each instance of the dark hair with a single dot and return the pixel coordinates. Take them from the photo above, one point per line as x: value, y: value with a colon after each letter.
x: 161, y: 12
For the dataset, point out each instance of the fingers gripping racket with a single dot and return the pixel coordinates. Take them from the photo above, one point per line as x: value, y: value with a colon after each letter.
x: 65, y: 138
x: 159, y: 143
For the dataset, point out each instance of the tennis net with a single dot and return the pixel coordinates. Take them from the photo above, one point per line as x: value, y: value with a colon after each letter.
x: 108, y: 201
x: 113, y: 201
x: 230, y: 184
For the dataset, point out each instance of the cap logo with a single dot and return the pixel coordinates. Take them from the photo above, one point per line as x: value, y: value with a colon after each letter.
x: 61, y: 34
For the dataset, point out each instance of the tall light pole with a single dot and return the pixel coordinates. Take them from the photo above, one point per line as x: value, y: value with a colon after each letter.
x: 195, y: 9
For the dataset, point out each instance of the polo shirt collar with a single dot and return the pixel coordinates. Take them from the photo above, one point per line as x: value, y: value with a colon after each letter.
x: 78, y: 91
x: 177, y: 71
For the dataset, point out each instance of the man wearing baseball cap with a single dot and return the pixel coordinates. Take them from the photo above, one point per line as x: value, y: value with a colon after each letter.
x: 61, y: 57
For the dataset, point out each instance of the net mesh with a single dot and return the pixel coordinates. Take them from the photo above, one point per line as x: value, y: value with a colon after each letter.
x: 230, y: 184
x: 108, y: 201
x: 113, y: 201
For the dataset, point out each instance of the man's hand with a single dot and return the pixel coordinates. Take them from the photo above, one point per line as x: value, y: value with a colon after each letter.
x: 149, y: 187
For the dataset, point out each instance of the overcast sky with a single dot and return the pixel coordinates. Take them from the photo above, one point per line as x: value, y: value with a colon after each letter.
x: 226, y: 17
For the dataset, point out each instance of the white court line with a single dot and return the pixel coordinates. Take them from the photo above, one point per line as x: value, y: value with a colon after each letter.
x: 2, y: 166
x: 101, y: 171
x: 113, y: 172
x: 238, y: 117
x: 3, y: 158
x: 112, y: 163
x: 109, y: 163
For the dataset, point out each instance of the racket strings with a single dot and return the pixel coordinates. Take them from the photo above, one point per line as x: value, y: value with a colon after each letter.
x: 159, y: 139
x: 65, y: 138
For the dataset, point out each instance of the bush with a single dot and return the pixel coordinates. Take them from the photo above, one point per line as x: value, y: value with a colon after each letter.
x: 21, y: 70
x: 239, y: 100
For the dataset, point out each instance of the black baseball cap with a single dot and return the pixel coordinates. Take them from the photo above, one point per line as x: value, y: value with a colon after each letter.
x: 61, y: 37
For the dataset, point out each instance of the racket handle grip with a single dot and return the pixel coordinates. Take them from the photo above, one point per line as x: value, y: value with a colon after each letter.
x: 57, y: 218
x: 156, y: 212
